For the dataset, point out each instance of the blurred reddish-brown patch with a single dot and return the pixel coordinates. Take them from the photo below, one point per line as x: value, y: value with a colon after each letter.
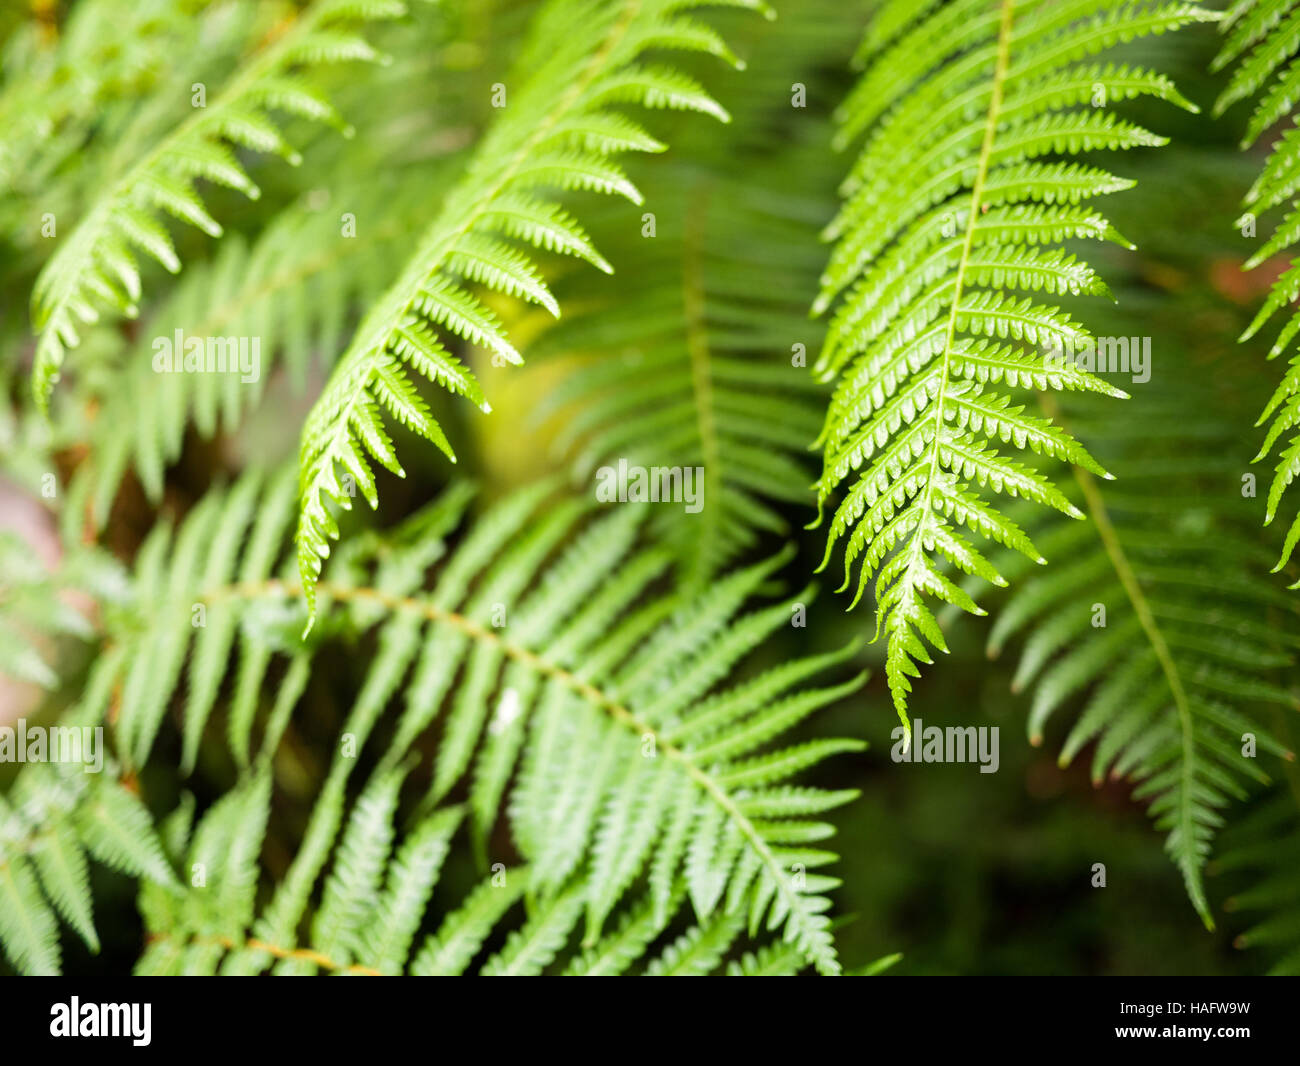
x: 1245, y: 286
x: 22, y: 513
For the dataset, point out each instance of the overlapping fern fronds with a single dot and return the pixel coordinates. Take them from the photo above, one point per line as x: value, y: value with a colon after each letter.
x: 326, y: 240
x: 1156, y: 617
x: 558, y: 131
x: 292, y: 288
x: 946, y: 247
x: 550, y: 662
x: 1263, y: 41
x: 95, y: 267
x: 52, y: 92
x: 374, y: 901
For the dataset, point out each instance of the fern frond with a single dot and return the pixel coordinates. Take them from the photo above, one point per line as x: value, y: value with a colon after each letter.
x: 1156, y: 622
x: 291, y: 289
x: 1270, y: 32
x: 565, y: 684
x: 947, y: 235
x: 566, y: 692
x: 557, y: 133
x: 96, y: 268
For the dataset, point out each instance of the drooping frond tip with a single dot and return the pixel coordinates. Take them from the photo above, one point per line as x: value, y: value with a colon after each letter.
x: 557, y: 132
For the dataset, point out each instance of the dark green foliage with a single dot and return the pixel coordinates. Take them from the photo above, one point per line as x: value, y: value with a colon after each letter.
x: 508, y: 727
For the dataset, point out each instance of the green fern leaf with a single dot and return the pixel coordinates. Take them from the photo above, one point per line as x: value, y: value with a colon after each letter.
x: 630, y: 765
x: 1157, y: 625
x: 1270, y: 32
x: 936, y: 234
x: 556, y: 132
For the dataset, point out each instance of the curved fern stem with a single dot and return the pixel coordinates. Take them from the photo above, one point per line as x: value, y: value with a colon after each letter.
x: 697, y: 346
